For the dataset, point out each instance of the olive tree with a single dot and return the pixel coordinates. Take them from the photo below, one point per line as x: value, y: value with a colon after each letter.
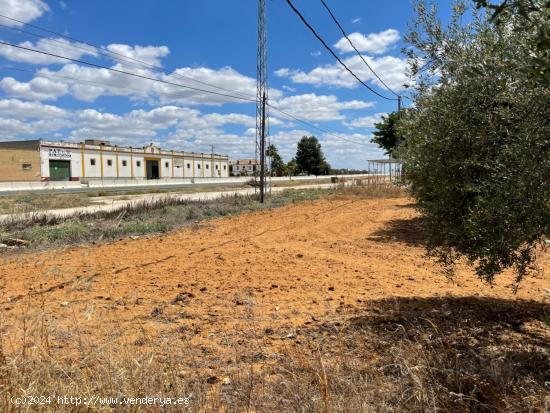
x: 477, y: 153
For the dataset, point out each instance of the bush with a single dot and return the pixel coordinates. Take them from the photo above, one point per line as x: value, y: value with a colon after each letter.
x: 477, y: 152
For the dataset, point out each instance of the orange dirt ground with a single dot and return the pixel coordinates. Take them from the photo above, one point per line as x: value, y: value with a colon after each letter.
x: 276, y: 269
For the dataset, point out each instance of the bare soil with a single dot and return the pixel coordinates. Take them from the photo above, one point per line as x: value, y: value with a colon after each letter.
x: 257, y: 284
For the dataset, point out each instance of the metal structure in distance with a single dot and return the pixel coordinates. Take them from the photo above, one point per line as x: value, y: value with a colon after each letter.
x: 261, y: 97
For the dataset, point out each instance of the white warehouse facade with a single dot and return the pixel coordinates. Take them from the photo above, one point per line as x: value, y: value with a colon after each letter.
x: 94, y: 159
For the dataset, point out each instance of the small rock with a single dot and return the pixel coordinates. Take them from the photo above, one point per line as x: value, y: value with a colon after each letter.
x: 134, y: 237
x: 203, y: 289
x: 300, y: 255
x: 64, y: 304
x: 268, y: 331
x: 226, y: 381
x: 331, y: 288
x: 274, y: 286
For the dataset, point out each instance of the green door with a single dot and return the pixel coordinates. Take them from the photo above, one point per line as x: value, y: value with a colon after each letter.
x: 60, y: 170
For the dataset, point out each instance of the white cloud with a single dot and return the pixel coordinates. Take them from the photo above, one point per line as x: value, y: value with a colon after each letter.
x: 152, y: 55
x: 343, y: 153
x: 19, y: 119
x: 375, y: 43
x: 88, y: 83
x: 314, y: 107
x: 392, y: 70
x: 316, y: 53
x: 23, y: 10
x: 356, y: 20
x: 57, y: 46
x: 93, y: 82
x: 226, y: 78
x: 63, y: 5
x: 30, y: 110
x: 174, y: 127
x: 166, y: 122
x: 37, y: 89
x: 366, y: 121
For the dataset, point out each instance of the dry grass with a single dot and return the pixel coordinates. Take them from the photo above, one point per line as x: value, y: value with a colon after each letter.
x: 139, y: 218
x: 364, y: 189
x: 14, y: 204
x: 397, y: 355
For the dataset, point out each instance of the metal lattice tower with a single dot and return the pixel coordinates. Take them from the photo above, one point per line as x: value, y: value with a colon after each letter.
x: 261, y: 96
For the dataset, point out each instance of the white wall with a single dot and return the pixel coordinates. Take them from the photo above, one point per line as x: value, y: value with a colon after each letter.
x: 204, y: 167
x: 74, y: 156
x: 139, y: 171
x: 165, y: 165
x: 124, y: 171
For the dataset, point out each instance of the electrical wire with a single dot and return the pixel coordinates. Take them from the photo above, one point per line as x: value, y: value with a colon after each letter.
x: 109, y: 53
x: 166, y: 82
x: 311, y: 125
x: 354, y: 48
x: 287, y: 114
x: 98, y: 66
x: 303, y: 19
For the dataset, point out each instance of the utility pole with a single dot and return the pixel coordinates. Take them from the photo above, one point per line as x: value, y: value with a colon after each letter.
x: 212, y: 174
x: 262, y: 152
x: 261, y: 95
x: 399, y: 106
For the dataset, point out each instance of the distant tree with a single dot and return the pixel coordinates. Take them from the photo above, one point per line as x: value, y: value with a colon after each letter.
x: 292, y: 167
x: 386, y: 134
x: 310, y: 158
x: 278, y: 167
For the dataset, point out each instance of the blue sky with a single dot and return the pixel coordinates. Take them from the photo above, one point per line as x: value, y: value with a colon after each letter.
x: 213, y: 41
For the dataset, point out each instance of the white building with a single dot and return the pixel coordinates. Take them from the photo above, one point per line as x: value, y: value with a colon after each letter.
x: 93, y: 159
x: 244, y: 167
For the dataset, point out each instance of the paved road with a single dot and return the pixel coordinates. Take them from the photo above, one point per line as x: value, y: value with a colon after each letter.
x: 115, y: 203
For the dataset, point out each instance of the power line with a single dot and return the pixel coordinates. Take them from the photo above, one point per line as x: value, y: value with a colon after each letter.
x: 105, y: 52
x: 108, y: 53
x: 285, y: 113
x: 311, y: 125
x: 174, y: 84
x: 302, y: 18
x: 354, y: 48
x: 124, y: 72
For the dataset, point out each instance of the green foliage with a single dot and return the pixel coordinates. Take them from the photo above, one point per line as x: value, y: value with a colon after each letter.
x: 292, y: 167
x: 278, y: 167
x: 386, y: 134
x: 532, y: 20
x: 477, y: 152
x: 310, y: 158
